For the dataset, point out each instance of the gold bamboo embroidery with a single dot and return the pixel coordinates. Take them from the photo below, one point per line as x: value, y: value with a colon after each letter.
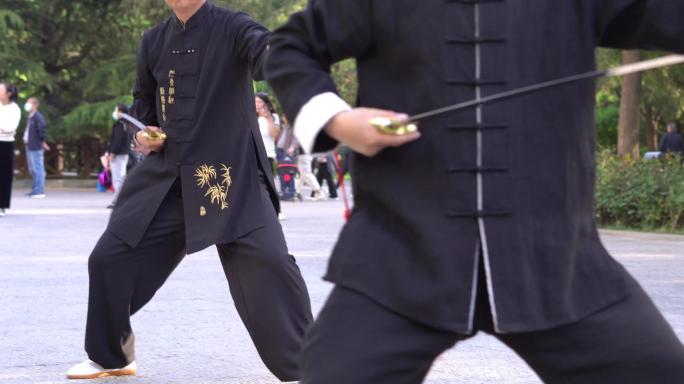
x: 216, y: 188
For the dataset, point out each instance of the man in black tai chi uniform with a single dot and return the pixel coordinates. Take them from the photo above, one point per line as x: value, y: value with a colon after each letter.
x: 209, y: 183
x: 484, y: 219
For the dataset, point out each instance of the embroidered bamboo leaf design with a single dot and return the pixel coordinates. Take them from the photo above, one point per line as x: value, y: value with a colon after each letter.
x: 227, y: 182
x: 204, y: 174
x: 214, y: 192
x: 217, y: 192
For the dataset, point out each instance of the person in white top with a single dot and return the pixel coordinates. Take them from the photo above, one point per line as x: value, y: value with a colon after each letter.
x: 269, y: 126
x: 10, y: 114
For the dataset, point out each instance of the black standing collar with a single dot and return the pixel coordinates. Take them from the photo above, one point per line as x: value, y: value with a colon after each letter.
x: 196, y: 19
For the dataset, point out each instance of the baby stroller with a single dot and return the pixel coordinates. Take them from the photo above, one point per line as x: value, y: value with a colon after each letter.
x: 287, y: 173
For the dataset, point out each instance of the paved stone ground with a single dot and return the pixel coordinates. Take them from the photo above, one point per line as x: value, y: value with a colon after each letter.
x: 190, y: 332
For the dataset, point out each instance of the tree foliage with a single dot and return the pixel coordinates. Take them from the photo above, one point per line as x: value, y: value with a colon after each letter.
x: 78, y: 57
x: 662, y: 98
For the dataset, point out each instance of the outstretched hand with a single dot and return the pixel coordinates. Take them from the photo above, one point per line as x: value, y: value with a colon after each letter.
x: 353, y: 128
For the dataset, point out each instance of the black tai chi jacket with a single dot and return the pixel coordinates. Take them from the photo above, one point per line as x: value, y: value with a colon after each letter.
x: 515, y: 178
x: 194, y: 80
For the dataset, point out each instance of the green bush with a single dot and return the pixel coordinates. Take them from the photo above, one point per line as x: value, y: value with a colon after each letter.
x: 642, y: 194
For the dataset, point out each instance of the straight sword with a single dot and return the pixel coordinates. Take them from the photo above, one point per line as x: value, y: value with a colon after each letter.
x: 395, y: 127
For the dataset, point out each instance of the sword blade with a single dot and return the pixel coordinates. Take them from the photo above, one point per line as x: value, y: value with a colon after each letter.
x: 621, y: 70
x: 132, y: 120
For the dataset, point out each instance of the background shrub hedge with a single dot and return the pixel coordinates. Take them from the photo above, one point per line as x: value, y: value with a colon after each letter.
x: 640, y: 194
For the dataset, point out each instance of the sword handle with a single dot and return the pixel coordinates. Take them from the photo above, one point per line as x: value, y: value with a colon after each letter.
x: 393, y: 127
x: 149, y: 134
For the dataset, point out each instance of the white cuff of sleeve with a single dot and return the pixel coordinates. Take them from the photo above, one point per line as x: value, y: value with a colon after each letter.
x: 314, y: 115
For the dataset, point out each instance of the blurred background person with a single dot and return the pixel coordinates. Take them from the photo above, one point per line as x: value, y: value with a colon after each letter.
x: 138, y: 152
x: 287, y: 151
x: 286, y: 143
x: 307, y: 177
x: 268, y: 127
x: 343, y: 153
x: 267, y: 124
x: 10, y: 114
x: 324, y: 166
x: 117, y: 151
x: 34, y: 139
x: 289, y: 146
x: 672, y: 142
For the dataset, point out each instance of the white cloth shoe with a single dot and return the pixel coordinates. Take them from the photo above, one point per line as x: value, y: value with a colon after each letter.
x: 91, y: 370
x: 316, y: 195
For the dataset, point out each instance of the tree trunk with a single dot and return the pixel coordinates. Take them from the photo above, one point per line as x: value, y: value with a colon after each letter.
x: 628, y: 129
x: 88, y: 157
x: 649, y: 119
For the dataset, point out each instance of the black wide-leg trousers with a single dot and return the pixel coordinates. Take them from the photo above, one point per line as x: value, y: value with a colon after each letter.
x: 324, y: 174
x: 355, y: 340
x: 6, y: 173
x: 265, y: 283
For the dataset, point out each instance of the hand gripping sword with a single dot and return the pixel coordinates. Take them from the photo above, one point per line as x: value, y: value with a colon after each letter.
x: 404, y: 127
x: 147, y: 133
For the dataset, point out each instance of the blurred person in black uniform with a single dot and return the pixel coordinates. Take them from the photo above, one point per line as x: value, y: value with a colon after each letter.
x: 208, y: 183
x: 324, y: 166
x: 136, y: 152
x: 118, y: 150
x: 672, y: 141
x: 484, y: 219
x: 344, y: 156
